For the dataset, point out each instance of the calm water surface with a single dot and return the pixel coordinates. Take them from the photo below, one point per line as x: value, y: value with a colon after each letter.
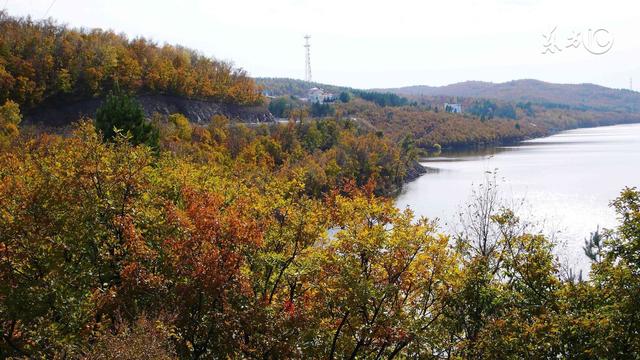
x: 565, y: 182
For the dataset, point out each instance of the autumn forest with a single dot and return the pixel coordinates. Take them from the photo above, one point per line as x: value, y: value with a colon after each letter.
x: 130, y: 235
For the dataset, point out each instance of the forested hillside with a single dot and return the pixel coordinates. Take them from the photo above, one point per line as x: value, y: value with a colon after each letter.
x: 213, y: 242
x: 578, y: 96
x: 150, y: 237
x: 295, y: 87
x: 492, y: 120
x: 430, y: 128
x: 45, y: 62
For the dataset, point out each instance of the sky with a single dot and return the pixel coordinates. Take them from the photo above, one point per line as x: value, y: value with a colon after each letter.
x: 384, y: 44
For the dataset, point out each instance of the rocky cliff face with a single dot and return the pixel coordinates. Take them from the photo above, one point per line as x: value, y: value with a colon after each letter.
x: 198, y: 111
x: 414, y: 171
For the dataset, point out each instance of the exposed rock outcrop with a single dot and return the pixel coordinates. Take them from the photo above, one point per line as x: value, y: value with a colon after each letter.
x: 414, y: 171
x: 198, y: 111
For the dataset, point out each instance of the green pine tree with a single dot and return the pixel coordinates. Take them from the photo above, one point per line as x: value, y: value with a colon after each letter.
x: 122, y: 113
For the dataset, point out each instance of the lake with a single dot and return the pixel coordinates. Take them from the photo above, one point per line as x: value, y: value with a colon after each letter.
x: 565, y: 183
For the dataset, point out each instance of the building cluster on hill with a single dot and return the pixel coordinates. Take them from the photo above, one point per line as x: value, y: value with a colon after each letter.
x: 453, y: 108
x: 317, y: 95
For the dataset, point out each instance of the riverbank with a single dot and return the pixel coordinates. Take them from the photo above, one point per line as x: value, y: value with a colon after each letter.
x: 554, y: 182
x: 416, y: 170
x: 480, y: 147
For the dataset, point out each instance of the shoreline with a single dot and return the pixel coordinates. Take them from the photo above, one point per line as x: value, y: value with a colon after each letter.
x: 508, y: 142
x: 419, y: 170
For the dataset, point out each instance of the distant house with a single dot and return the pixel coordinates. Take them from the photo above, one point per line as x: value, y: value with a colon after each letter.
x: 317, y: 95
x: 453, y: 108
x: 267, y: 94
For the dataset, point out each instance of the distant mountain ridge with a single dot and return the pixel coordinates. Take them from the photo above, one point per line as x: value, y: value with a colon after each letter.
x: 578, y: 96
x: 588, y: 96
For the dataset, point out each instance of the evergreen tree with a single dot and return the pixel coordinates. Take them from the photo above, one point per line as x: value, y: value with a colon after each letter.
x: 321, y: 110
x: 278, y: 107
x: 122, y: 113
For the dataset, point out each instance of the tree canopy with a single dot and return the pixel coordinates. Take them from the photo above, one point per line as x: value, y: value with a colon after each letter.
x: 43, y: 61
x: 279, y: 242
x: 128, y: 237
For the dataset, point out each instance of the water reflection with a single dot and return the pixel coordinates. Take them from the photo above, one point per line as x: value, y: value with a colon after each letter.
x: 469, y: 153
x: 566, y: 180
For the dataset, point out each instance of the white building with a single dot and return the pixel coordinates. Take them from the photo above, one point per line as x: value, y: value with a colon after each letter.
x: 453, y: 108
x: 317, y: 95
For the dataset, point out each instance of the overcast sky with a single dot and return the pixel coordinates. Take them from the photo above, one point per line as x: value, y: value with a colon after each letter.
x: 373, y: 43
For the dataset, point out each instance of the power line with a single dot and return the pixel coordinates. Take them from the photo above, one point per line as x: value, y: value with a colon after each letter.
x: 49, y: 8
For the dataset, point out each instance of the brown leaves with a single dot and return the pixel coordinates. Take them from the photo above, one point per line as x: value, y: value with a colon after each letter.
x: 49, y: 60
x: 211, y: 242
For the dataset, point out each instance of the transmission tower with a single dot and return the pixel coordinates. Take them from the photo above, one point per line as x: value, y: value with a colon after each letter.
x: 307, y: 70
